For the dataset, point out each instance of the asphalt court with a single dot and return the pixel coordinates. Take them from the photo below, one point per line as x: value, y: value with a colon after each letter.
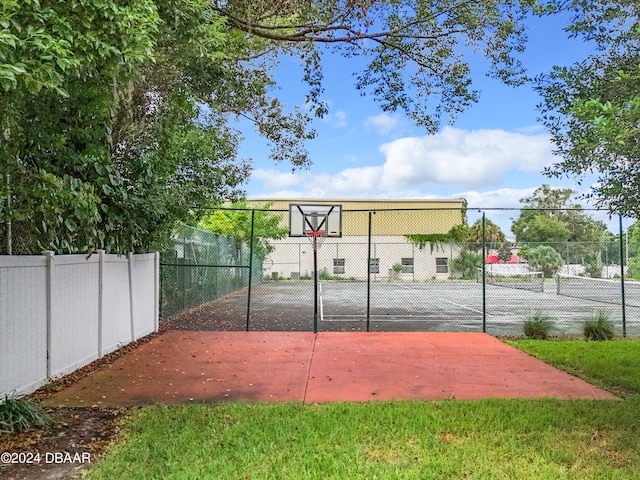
x: 451, y: 306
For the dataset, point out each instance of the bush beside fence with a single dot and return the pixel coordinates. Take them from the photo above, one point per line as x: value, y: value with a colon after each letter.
x: 61, y: 312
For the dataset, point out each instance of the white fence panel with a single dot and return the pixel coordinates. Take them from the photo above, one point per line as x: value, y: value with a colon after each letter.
x: 61, y: 312
x: 116, y: 302
x: 23, y: 323
x: 146, y: 293
x: 74, y: 312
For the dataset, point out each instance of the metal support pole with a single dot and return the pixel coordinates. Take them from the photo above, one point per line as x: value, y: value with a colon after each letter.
x: 315, y: 284
x: 369, y: 275
x: 484, y: 275
x: 8, y: 233
x: 253, y: 214
x: 622, y: 292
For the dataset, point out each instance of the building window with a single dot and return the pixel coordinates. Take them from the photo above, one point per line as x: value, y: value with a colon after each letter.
x: 338, y: 265
x: 442, y: 265
x: 374, y: 265
x: 407, y: 265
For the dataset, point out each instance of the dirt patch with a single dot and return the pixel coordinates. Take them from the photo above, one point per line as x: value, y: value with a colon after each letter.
x: 78, y: 437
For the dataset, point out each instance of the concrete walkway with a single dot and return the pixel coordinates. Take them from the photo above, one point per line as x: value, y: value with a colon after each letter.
x: 180, y: 366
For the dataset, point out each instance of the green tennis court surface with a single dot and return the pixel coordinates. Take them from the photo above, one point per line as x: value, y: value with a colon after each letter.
x: 453, y: 306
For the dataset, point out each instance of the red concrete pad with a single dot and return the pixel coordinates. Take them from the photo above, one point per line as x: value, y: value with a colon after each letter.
x: 431, y: 366
x: 180, y: 367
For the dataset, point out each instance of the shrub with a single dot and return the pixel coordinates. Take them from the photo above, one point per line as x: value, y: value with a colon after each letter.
x: 398, y: 268
x: 324, y: 274
x: 594, y: 269
x: 634, y: 268
x: 466, y: 263
x: 545, y: 259
x: 538, y: 326
x: 598, y: 327
x: 18, y: 415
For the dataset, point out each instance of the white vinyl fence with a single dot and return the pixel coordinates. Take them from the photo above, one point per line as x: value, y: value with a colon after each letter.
x: 61, y: 312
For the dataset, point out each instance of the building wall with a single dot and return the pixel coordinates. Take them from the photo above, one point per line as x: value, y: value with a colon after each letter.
x: 347, y: 258
x: 391, y: 217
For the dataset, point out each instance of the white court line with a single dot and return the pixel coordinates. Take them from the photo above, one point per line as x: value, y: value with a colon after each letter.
x: 360, y: 317
x: 321, y: 304
x: 463, y: 306
x: 408, y: 287
x: 382, y: 318
x: 378, y: 318
x: 339, y: 317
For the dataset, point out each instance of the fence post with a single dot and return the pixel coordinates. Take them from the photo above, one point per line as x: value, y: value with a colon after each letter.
x: 253, y: 214
x: 131, y: 300
x: 484, y: 274
x: 157, y: 290
x: 101, y: 259
x: 50, y: 263
x: 7, y: 222
x: 369, y: 274
x: 622, y: 292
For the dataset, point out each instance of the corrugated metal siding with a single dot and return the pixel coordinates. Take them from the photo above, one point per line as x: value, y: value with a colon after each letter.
x: 394, y: 217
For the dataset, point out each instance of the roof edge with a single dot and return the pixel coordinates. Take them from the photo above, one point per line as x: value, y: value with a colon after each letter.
x: 359, y: 200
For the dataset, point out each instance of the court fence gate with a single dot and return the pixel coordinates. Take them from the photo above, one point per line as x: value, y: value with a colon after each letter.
x: 461, y: 275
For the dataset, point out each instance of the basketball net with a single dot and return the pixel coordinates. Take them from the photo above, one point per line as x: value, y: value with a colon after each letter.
x: 316, y: 238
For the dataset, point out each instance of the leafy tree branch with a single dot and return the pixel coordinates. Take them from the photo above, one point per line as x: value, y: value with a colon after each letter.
x: 413, y: 47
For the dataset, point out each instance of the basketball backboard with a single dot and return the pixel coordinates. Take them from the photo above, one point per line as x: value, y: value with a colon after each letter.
x: 315, y: 218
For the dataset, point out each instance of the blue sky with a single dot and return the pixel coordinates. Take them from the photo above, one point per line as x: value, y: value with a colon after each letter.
x: 492, y: 155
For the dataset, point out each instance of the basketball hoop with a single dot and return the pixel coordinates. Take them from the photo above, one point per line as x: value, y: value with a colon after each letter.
x: 315, y: 237
x: 316, y: 222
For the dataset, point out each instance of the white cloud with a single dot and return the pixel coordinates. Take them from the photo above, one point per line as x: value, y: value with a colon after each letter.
x: 455, y: 157
x: 500, y: 198
x: 383, y: 124
x: 337, y: 119
x: 340, y: 119
x: 451, y: 160
x: 273, y: 180
x: 531, y: 129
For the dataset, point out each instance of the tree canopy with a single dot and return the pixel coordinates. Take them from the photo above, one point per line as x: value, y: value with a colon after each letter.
x: 549, y: 215
x: 592, y: 108
x: 115, y: 120
x: 492, y: 232
x: 550, y: 218
x: 115, y: 116
x: 62, y: 63
x: 543, y: 258
x: 235, y: 221
x: 413, y: 48
x: 462, y: 233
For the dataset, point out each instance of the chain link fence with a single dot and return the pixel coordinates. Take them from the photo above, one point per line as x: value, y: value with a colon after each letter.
x: 18, y: 238
x: 200, y: 267
x: 408, y: 270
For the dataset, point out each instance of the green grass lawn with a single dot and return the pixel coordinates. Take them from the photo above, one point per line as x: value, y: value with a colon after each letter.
x: 488, y: 439
x: 613, y: 365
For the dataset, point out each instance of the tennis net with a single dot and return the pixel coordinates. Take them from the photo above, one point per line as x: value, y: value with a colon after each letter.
x: 533, y: 281
x: 601, y: 290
